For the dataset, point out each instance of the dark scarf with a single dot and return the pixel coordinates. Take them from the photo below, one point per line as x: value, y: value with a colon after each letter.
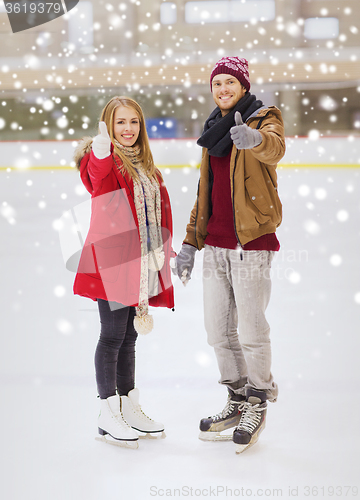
x: 216, y: 134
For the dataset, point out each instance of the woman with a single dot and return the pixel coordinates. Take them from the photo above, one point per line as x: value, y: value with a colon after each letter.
x: 124, y: 264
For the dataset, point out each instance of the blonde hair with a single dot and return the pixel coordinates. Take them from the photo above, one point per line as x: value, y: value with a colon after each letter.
x: 145, y: 157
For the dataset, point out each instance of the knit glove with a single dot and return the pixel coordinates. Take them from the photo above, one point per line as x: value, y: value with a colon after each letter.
x: 101, y: 143
x: 243, y: 136
x: 184, y: 263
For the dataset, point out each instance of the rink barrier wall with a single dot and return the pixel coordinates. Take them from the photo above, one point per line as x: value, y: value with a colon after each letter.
x: 301, y: 152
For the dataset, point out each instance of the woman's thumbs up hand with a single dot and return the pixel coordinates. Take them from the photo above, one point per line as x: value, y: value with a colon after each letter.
x: 101, y: 143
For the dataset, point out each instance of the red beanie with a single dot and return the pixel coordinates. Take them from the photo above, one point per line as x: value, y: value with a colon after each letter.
x: 234, y: 66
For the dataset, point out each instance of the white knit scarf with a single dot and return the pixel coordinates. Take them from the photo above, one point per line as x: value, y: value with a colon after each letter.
x: 147, y: 200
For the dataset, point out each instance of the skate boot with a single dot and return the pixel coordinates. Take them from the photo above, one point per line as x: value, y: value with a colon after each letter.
x: 136, y: 418
x: 211, y: 427
x: 252, y: 421
x: 111, y: 423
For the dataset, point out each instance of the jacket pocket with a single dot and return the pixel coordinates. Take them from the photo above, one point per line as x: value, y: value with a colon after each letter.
x: 115, y: 253
x: 259, y: 199
x: 87, y: 262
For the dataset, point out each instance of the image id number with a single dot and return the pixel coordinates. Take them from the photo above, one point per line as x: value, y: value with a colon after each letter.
x: 331, y: 491
x: 33, y: 8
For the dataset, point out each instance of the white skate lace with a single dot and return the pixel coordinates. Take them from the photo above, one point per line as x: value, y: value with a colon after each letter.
x: 250, y: 417
x: 229, y: 408
x: 120, y: 420
x: 141, y: 414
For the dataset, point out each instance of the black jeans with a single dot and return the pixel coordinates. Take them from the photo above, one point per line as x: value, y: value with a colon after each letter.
x: 115, y: 351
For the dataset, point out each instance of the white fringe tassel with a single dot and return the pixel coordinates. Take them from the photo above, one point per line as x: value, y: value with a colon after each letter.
x: 143, y: 324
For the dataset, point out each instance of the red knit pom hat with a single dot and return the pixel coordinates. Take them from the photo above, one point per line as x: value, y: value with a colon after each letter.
x: 234, y: 66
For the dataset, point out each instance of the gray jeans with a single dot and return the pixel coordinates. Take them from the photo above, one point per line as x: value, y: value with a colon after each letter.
x: 236, y: 295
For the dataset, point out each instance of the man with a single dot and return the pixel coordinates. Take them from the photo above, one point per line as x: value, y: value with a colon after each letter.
x: 235, y: 218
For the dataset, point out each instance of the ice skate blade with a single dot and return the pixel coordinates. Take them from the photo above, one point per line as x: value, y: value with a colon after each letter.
x: 214, y: 436
x: 152, y: 435
x: 116, y: 442
x: 240, y: 448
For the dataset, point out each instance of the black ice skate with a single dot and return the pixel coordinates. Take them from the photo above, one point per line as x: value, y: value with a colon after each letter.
x: 211, y: 428
x: 252, y: 423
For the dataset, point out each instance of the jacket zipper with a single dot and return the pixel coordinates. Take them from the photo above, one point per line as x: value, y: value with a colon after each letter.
x: 233, y: 205
x: 237, y: 152
x: 197, y: 203
x: 197, y: 211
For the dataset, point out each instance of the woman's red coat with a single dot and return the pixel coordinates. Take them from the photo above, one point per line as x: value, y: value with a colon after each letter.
x: 109, y: 266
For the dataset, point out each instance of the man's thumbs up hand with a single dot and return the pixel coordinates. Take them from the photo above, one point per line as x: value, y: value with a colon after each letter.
x: 101, y: 143
x: 243, y: 136
x: 238, y: 118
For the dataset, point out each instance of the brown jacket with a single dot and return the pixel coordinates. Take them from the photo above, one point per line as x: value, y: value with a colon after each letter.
x: 256, y: 205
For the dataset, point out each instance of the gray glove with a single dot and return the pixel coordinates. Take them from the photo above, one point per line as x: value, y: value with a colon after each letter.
x: 243, y: 136
x: 184, y: 263
x: 101, y: 143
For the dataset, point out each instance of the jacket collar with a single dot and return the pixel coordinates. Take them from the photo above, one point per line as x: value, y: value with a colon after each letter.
x: 264, y: 110
x: 256, y: 112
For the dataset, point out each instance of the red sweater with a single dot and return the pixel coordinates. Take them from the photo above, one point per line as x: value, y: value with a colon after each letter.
x: 220, y: 228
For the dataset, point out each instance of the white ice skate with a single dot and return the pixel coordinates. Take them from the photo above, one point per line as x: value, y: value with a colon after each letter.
x: 113, y: 429
x: 136, y: 418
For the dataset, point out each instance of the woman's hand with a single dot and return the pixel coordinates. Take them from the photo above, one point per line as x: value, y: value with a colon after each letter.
x: 101, y: 143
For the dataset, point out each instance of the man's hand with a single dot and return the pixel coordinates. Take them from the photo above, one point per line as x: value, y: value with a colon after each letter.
x: 101, y: 143
x: 184, y: 263
x: 243, y: 136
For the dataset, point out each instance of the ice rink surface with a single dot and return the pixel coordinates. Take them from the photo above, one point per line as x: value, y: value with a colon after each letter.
x: 310, y: 447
